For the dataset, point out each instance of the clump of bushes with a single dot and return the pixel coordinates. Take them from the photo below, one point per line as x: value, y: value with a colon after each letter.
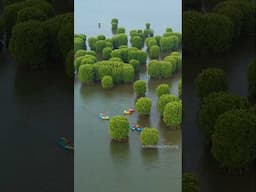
x: 164, y: 100
x: 137, y: 41
x: 216, y: 33
x: 29, y: 44
x: 151, y: 41
x: 99, y: 46
x: 31, y: 13
x: 247, y: 9
x: 149, y: 136
x: 35, y: 38
x: 128, y: 73
x: 65, y: 42
x: 169, y: 43
x: 143, y: 105
x: 210, y: 80
x: 175, y: 59
x: 120, y: 30
x: 107, y: 82
x: 154, y: 52
x: 172, y: 115
x: 86, y: 74
x: 140, y: 88
x: 136, y: 64
x: 234, y: 14
x: 128, y: 54
x: 114, y: 25
x: 79, y: 42
x: 190, y: 183
x: 162, y: 89
x: 59, y: 41
x: 214, y: 105
x: 106, y: 53
x: 119, y: 71
x: 159, y: 69
x: 86, y: 59
x: 82, y: 52
x: 119, y: 128
x: 92, y: 41
x: 119, y: 40
x: 148, y: 32
x: 233, y: 140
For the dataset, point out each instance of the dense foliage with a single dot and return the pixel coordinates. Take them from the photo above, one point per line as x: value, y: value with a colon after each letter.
x: 143, y: 105
x: 234, y: 14
x: 137, y: 42
x: 216, y: 33
x: 10, y: 12
x: 210, y: 80
x: 119, y: 40
x: 164, y: 100
x: 234, y: 139
x: 29, y: 43
x: 149, y: 136
x: 160, y: 69
x: 140, y: 88
x: 190, y: 183
x: 55, y: 36
x: 107, y: 82
x: 119, y: 128
x: 214, y: 105
x: 162, y: 89
x: 79, y: 43
x: 106, y: 53
x: 172, y: 115
x: 247, y: 9
x: 86, y: 74
x: 31, y: 13
x: 154, y: 52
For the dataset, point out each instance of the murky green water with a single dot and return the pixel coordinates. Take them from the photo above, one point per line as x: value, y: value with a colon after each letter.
x: 99, y: 164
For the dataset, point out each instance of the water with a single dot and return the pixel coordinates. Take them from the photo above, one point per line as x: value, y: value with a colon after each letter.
x: 36, y: 109
x: 197, y: 157
x: 99, y: 164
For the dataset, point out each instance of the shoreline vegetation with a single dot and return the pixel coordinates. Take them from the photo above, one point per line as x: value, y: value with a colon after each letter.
x: 117, y: 60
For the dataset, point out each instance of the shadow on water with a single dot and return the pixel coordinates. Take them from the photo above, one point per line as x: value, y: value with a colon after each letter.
x: 119, y: 152
x: 35, y: 105
x: 150, y: 157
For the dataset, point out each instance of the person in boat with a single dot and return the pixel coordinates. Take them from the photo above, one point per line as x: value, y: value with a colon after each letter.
x: 136, y: 126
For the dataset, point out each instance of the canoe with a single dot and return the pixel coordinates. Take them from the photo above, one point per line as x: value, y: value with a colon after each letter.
x: 133, y: 128
x: 65, y: 144
x: 131, y: 110
x: 103, y: 116
x: 127, y: 112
